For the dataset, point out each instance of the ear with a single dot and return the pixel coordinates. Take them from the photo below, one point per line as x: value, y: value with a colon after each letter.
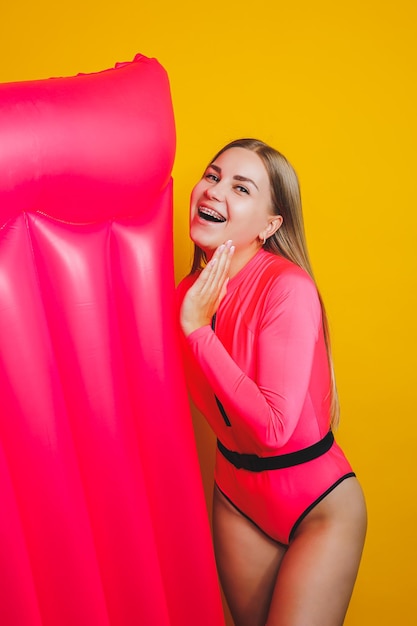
x: 274, y: 223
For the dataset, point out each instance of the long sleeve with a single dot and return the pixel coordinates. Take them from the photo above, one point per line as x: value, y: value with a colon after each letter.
x: 264, y: 387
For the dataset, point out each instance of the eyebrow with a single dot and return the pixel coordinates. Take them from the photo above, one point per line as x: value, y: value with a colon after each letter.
x: 242, y: 179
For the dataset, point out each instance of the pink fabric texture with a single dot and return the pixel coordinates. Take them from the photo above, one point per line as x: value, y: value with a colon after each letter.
x: 267, y: 364
x: 103, y: 516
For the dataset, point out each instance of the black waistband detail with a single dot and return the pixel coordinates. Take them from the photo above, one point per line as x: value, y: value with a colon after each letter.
x: 255, y: 463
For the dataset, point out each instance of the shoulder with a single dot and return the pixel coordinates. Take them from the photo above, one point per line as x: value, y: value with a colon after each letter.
x: 279, y: 274
x: 184, y: 285
x: 288, y: 290
x: 186, y: 282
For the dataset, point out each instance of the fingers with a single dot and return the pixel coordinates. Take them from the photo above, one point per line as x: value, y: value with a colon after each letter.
x: 204, y: 296
x: 217, y: 270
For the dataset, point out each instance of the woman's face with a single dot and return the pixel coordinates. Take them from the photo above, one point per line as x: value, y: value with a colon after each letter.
x: 232, y: 201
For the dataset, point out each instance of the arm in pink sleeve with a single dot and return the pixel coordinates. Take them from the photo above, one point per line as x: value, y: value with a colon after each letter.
x: 264, y: 412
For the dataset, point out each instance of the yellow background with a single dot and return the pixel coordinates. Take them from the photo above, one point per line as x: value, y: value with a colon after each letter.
x: 333, y: 86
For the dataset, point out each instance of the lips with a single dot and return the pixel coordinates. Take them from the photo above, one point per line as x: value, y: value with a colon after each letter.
x: 210, y: 215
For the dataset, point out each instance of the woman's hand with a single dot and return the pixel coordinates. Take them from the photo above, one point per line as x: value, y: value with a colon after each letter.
x: 203, y: 298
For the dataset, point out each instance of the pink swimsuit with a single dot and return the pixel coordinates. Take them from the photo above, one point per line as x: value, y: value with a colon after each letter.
x: 261, y: 379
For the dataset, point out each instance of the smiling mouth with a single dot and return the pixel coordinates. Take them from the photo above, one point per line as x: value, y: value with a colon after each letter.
x: 210, y: 215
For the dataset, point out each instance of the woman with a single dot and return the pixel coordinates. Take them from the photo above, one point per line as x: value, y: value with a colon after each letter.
x: 289, y: 517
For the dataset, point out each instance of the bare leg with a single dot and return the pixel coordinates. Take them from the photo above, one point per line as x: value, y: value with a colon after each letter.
x: 318, y: 572
x: 247, y: 561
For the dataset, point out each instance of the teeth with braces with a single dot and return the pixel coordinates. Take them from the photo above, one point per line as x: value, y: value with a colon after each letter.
x: 211, y: 213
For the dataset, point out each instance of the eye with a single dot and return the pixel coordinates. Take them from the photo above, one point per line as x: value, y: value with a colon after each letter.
x: 211, y: 176
x: 242, y: 189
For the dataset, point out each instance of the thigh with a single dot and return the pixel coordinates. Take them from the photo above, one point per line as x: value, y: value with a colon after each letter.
x: 247, y: 562
x: 315, y: 582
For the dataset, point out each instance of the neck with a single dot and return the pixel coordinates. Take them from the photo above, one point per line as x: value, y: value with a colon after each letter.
x: 241, y: 258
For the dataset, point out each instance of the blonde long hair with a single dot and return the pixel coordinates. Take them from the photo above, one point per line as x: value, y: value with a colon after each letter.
x: 289, y: 240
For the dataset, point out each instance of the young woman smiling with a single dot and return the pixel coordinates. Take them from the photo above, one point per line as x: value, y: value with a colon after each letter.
x: 289, y: 518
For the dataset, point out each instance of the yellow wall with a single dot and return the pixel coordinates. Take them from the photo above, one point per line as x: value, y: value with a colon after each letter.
x: 332, y: 85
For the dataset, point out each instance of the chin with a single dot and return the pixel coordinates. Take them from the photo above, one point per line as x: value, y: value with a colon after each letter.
x: 201, y: 242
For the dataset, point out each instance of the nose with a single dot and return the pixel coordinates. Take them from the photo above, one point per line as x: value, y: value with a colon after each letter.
x: 215, y: 192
